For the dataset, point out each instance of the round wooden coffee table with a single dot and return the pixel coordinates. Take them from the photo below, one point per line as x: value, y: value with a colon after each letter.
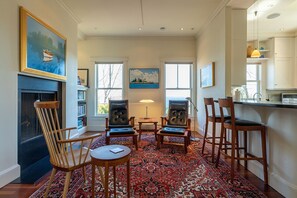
x: 103, y: 156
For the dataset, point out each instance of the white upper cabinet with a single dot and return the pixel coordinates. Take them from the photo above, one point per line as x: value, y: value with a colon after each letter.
x: 281, y: 66
x: 283, y: 47
x: 284, y: 76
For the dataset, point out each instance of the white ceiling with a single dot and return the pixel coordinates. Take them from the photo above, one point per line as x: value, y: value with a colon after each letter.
x: 125, y: 17
x: 284, y: 25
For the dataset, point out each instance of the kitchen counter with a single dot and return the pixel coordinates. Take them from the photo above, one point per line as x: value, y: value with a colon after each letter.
x: 281, y: 122
x: 267, y: 103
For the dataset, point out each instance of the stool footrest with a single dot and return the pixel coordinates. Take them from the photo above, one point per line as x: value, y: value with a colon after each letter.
x: 209, y: 140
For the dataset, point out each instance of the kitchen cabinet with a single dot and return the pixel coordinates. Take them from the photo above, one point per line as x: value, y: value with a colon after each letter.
x: 282, y: 75
x: 283, y: 47
x: 280, y: 67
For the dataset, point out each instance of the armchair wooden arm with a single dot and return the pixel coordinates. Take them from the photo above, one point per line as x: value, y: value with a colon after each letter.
x: 164, y: 120
x: 75, y: 152
x: 106, y: 124
x: 132, y: 121
x: 189, y: 124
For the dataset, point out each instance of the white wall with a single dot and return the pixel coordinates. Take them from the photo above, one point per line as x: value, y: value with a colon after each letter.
x: 295, y: 59
x: 211, y: 47
x: 51, y: 13
x: 138, y: 52
x: 223, y: 41
x: 9, y: 169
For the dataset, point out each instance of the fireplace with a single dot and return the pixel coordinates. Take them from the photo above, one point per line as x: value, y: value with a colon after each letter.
x: 33, y: 155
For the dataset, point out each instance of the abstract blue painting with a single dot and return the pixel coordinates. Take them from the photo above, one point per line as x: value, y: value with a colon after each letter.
x: 144, y: 78
x: 43, y: 50
x: 207, y: 75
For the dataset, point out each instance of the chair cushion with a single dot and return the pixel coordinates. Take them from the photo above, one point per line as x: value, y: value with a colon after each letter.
x: 175, y: 126
x: 172, y: 130
x: 218, y: 116
x: 118, y: 131
x: 120, y: 126
x: 244, y: 123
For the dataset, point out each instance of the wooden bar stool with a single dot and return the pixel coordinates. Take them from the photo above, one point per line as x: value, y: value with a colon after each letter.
x: 241, y: 125
x: 214, y: 119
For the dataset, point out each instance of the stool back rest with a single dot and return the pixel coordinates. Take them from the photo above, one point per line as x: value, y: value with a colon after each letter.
x: 209, y: 103
x: 178, y: 113
x: 227, y: 104
x: 118, y: 112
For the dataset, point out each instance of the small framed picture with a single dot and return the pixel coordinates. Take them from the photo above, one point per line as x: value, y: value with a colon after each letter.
x: 207, y: 75
x: 83, y: 76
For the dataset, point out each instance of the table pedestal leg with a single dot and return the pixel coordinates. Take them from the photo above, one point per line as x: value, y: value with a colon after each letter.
x: 106, y: 180
x: 128, y: 178
x: 114, y: 181
x: 93, y: 180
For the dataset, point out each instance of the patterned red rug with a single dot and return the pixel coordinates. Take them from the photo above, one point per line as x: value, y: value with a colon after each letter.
x: 167, y: 172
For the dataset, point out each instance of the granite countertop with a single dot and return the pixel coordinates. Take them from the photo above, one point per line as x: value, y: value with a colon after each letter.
x: 267, y: 103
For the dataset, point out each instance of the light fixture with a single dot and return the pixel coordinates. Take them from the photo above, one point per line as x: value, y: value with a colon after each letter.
x: 146, y: 108
x: 195, y: 108
x: 273, y: 15
x: 256, y: 53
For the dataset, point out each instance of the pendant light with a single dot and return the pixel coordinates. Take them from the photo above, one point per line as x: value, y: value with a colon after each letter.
x: 256, y: 52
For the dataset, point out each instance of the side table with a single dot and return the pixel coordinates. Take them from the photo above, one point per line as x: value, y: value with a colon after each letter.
x: 147, y: 120
x: 103, y: 156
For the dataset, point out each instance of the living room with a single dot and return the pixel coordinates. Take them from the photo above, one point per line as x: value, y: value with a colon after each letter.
x: 212, y: 45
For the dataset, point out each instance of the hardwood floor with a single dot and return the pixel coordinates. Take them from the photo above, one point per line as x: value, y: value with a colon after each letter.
x: 25, y: 190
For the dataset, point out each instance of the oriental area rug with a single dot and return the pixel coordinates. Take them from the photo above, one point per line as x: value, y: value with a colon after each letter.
x: 167, y: 173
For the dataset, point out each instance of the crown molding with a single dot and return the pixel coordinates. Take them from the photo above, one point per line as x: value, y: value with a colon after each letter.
x: 70, y: 11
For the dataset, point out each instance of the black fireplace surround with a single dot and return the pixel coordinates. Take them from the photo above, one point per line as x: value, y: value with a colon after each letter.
x: 33, y: 155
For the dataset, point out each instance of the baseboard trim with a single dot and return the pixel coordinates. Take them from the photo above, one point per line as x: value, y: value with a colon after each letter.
x: 10, y: 174
x: 96, y: 128
x: 284, y: 187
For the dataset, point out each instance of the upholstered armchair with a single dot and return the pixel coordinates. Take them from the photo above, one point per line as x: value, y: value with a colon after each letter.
x: 118, y: 123
x: 176, y: 124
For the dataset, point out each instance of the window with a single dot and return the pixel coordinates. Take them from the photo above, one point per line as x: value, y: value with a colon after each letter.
x: 178, y: 81
x: 253, y: 79
x: 109, y: 85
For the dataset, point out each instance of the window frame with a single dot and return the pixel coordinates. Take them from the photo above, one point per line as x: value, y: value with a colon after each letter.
x: 191, y: 85
x: 258, y: 77
x: 96, y: 88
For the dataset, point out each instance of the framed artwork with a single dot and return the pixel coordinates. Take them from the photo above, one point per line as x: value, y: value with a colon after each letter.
x: 144, y: 78
x: 83, y: 77
x: 207, y: 77
x: 43, y: 49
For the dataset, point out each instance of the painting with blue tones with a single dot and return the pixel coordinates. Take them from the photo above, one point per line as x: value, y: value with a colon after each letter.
x: 207, y: 75
x: 43, y: 50
x: 144, y: 78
